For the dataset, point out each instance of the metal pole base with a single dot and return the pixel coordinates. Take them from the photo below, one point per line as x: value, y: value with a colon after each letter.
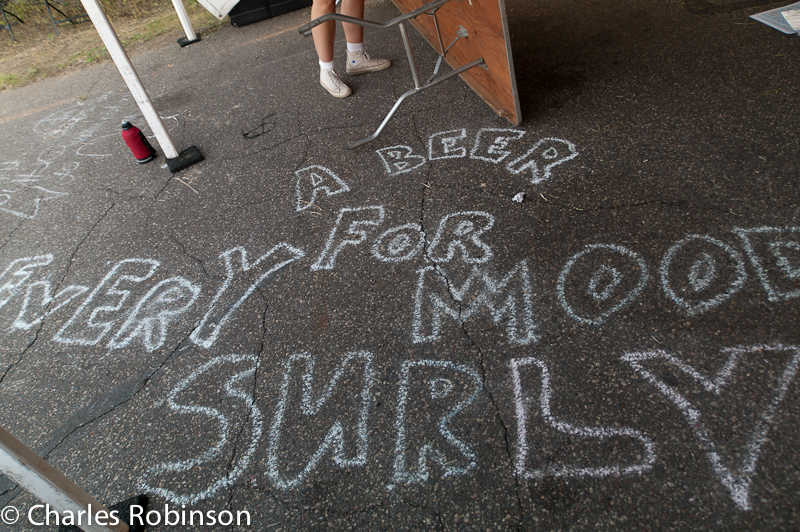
x: 183, y: 41
x: 185, y: 159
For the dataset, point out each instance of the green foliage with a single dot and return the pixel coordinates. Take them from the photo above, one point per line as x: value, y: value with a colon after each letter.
x: 26, y: 9
x: 38, y: 52
x: 9, y: 81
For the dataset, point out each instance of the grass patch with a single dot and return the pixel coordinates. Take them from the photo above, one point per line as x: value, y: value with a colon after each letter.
x: 39, y: 53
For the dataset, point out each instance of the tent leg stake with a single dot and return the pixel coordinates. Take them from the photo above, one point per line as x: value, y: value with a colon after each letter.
x: 183, y: 41
x: 186, y: 158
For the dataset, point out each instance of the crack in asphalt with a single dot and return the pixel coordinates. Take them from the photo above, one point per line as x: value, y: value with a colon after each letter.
x: 229, y: 466
x: 16, y: 489
x: 14, y: 364
x: 264, y: 335
x: 541, y: 200
x: 509, y: 453
x: 646, y: 203
x: 11, y: 234
x: 41, y: 325
x: 302, y: 134
x: 166, y: 184
x: 443, y: 275
x: 440, y: 519
x: 80, y: 244
x: 55, y: 290
x: 195, y: 259
x: 130, y: 397
x: 22, y: 222
x: 232, y: 487
x: 482, y: 363
x: 97, y: 79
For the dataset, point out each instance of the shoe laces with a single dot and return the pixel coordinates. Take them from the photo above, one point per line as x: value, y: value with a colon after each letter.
x: 334, y: 80
x: 364, y: 56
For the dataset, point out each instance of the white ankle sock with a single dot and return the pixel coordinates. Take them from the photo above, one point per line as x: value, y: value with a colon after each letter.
x: 326, y: 65
x: 355, y: 47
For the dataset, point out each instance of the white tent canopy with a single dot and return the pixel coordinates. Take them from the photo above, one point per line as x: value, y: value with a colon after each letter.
x: 218, y: 8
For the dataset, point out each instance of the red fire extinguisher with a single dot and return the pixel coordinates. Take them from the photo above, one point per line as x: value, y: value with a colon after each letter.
x: 138, y: 144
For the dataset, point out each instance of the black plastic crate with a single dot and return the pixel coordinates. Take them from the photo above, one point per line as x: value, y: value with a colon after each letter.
x: 249, y: 11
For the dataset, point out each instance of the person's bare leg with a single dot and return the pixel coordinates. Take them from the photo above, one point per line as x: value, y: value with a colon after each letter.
x: 358, y: 62
x: 324, y: 34
x: 353, y: 8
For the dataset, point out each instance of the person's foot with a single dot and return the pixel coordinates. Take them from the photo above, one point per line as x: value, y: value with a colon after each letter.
x: 361, y: 63
x: 330, y: 81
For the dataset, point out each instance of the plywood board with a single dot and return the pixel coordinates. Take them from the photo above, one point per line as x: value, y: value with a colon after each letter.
x: 487, y: 27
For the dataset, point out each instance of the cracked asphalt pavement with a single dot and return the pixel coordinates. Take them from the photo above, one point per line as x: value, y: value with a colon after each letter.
x: 381, y: 338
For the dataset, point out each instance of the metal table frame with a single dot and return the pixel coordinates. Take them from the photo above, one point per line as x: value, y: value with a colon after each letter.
x: 74, y: 20
x: 6, y: 24
x: 401, y: 21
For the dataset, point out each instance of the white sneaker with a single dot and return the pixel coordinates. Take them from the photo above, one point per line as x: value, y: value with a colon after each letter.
x: 330, y: 81
x: 361, y: 63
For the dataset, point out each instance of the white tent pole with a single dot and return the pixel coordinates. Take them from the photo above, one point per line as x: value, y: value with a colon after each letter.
x: 185, y: 22
x: 27, y: 469
x: 114, y: 47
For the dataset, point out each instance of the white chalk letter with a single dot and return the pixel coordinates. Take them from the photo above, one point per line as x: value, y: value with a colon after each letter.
x: 699, y: 399
x: 153, y: 313
x: 606, y: 452
x: 238, y: 275
x: 453, y: 456
x: 400, y: 159
x: 45, y: 300
x: 107, y: 302
x: 491, y: 145
x: 775, y: 255
x: 208, y: 378
x: 352, y: 236
x: 506, y: 299
x: 610, y: 286
x: 444, y: 145
x: 462, y: 231
x: 314, y: 179
x: 17, y: 274
x: 542, y: 158
x: 348, y: 447
x: 715, y: 275
x: 399, y: 243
